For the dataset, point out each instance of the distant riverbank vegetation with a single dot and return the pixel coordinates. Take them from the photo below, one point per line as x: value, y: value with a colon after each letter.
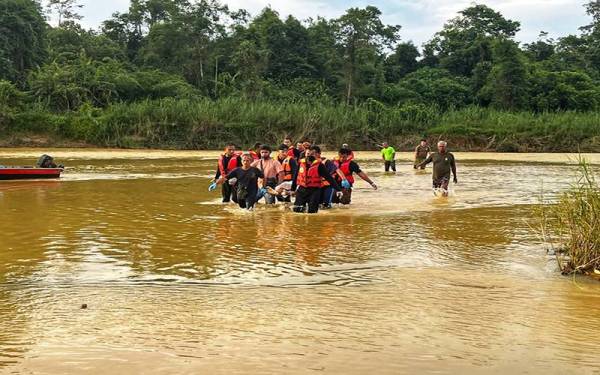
x: 194, y: 74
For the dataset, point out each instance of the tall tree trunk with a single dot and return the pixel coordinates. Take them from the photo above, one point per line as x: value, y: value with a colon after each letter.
x: 349, y: 92
x: 216, y: 76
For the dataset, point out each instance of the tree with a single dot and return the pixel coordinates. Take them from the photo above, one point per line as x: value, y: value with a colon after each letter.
x: 507, y: 86
x: 402, y: 62
x: 362, y: 36
x: 542, y: 49
x: 22, y: 38
x: 68, y: 41
x: 467, y: 39
x: 66, y: 10
x: 430, y: 86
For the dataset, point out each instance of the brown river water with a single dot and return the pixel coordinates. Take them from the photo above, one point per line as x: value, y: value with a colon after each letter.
x: 176, y: 282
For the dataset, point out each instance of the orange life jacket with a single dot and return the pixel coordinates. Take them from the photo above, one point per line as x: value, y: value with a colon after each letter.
x: 288, y: 174
x: 324, y: 182
x: 254, y: 154
x: 309, y: 177
x: 290, y: 152
x: 345, y: 168
x: 231, y: 165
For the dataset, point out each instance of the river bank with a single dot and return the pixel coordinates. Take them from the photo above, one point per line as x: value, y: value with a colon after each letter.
x: 205, y: 124
x: 401, y: 143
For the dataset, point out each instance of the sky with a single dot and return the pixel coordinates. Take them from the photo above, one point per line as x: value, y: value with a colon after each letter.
x: 419, y: 19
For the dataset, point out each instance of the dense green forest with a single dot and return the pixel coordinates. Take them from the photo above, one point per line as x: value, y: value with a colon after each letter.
x: 194, y: 74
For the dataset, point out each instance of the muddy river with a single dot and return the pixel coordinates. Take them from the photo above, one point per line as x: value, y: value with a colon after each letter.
x: 176, y: 282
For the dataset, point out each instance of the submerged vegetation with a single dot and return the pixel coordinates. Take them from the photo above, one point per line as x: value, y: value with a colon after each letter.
x: 193, y: 73
x: 574, y: 221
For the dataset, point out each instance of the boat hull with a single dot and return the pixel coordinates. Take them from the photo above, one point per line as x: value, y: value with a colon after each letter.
x: 29, y: 173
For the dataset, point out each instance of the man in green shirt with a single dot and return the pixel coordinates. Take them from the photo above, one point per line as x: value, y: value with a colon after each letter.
x: 443, y: 164
x: 388, y: 154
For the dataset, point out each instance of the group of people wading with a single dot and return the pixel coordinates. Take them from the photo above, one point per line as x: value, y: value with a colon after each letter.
x: 300, y: 171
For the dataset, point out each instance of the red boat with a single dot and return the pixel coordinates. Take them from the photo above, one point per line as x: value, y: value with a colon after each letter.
x: 21, y: 173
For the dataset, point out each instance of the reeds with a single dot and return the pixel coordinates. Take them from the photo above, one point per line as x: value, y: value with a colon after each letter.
x: 204, y: 123
x: 574, y: 222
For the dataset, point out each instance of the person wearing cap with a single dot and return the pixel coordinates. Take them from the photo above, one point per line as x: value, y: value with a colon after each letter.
x: 351, y: 155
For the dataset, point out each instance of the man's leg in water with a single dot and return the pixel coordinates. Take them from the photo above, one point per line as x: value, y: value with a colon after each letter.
x: 393, y: 165
x: 386, y: 165
x: 442, y: 184
x: 327, y: 196
x: 250, y: 201
x: 226, y: 192
x: 302, y: 196
x: 313, y: 200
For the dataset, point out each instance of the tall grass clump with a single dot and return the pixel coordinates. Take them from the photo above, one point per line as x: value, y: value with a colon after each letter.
x: 574, y: 221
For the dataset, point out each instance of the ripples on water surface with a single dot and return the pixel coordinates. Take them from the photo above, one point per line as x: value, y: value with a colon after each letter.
x: 176, y: 282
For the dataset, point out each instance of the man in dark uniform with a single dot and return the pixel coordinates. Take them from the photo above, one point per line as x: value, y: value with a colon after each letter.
x: 443, y: 164
x: 421, y: 153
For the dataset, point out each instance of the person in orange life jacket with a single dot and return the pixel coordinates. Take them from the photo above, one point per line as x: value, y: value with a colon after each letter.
x: 349, y: 167
x: 351, y: 157
x: 254, y: 151
x: 327, y: 192
x: 301, y: 150
x: 291, y: 150
x: 290, y: 166
x: 246, y: 186
x: 228, y: 161
x: 305, y: 145
x: 272, y: 170
x: 308, y: 180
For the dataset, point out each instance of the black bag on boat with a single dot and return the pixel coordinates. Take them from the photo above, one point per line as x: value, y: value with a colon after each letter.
x: 46, y: 161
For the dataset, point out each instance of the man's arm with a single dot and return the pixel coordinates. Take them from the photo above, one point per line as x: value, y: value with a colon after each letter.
x: 325, y: 174
x: 279, y: 170
x: 393, y: 153
x: 293, y: 166
x: 366, y: 178
x: 453, y: 166
x: 427, y: 161
x: 356, y: 169
x: 230, y: 175
x: 295, y: 179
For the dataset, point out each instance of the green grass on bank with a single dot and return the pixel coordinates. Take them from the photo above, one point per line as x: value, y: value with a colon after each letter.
x: 190, y: 124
